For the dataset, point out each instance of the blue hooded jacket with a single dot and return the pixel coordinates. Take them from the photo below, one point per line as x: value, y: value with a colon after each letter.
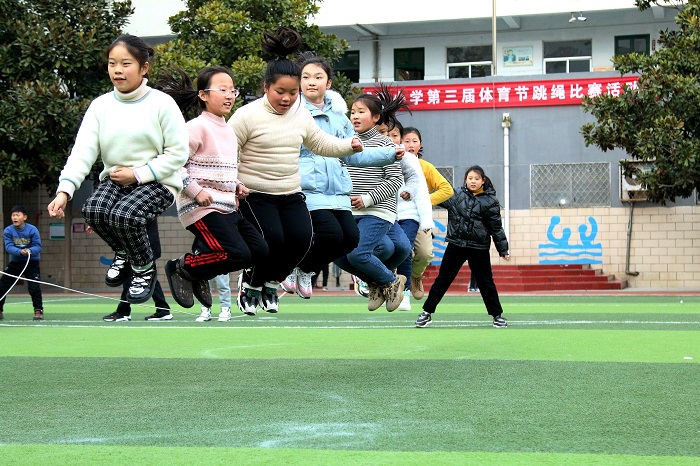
x: 324, y: 180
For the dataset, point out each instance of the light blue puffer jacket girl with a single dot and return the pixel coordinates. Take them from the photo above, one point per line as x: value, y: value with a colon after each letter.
x: 324, y: 180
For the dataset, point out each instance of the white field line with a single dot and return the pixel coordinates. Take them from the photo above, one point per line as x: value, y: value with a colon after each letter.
x: 333, y: 324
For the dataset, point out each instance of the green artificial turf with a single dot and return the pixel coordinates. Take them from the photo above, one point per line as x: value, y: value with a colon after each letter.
x: 573, y: 380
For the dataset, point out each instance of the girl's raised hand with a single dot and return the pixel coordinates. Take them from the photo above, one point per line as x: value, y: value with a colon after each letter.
x: 400, y: 150
x: 356, y: 145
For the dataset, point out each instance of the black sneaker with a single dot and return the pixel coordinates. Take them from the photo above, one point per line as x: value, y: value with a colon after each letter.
x: 142, y: 285
x: 248, y: 300
x: 116, y: 317
x: 160, y: 314
x: 201, y: 291
x: 119, y: 271
x: 180, y: 287
x: 499, y: 322
x: 424, y: 319
x: 38, y: 314
x: 269, y: 300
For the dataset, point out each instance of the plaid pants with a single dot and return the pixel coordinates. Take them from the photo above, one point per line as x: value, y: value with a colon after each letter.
x: 119, y: 214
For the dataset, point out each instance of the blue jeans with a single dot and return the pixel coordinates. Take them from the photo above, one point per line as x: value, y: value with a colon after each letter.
x: 382, y: 247
x: 410, y: 228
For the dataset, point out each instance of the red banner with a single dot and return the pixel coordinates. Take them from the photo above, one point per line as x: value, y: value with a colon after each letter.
x: 512, y: 94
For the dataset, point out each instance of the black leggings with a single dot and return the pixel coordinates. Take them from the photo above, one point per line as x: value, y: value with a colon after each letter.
x: 285, y: 224
x: 335, y: 235
x: 480, y: 265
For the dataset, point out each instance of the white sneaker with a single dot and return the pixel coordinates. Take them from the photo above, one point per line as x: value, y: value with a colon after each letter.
x: 205, y: 316
x: 225, y: 314
x: 405, y: 302
x: 361, y: 288
x: 304, y: 286
x: 289, y: 284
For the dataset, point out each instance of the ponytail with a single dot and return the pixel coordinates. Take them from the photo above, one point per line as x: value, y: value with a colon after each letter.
x: 382, y: 103
x: 284, y: 42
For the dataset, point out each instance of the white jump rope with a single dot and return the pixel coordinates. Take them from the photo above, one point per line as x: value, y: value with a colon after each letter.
x: 29, y: 255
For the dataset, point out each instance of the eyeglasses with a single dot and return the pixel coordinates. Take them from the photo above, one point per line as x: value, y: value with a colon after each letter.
x: 227, y: 92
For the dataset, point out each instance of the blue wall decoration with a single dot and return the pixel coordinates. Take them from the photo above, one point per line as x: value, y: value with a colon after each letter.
x: 560, y: 250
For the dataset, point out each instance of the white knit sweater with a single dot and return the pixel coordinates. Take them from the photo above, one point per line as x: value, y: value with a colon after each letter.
x: 269, y: 143
x: 143, y: 130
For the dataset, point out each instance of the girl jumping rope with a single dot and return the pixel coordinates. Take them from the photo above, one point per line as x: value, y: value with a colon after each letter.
x: 141, y: 137
x: 207, y: 206
x: 325, y: 181
x: 383, y: 244
x: 270, y: 132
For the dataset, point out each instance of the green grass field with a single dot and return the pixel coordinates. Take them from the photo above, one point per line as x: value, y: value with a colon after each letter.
x: 573, y: 380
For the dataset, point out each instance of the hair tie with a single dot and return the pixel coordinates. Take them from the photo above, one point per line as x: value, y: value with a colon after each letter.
x: 382, y: 107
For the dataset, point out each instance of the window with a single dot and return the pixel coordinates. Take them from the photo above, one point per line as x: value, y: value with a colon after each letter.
x: 571, y: 56
x: 448, y: 173
x: 624, y: 45
x: 409, y: 64
x: 469, y: 62
x: 349, y: 65
x: 570, y: 185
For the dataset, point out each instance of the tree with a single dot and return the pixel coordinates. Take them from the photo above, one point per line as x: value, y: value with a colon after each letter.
x: 657, y: 122
x: 49, y: 71
x: 228, y: 32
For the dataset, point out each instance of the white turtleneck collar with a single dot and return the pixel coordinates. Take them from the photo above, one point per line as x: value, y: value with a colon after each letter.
x: 135, y: 95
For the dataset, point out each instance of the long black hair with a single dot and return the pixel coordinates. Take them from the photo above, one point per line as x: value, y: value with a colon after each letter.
x: 178, y: 85
x: 284, y: 42
x: 382, y: 103
x: 487, y: 181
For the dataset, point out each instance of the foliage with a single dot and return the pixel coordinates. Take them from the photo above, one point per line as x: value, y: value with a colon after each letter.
x: 49, y: 72
x: 228, y: 33
x: 658, y: 121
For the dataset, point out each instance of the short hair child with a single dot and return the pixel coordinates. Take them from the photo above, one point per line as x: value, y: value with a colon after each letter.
x: 23, y: 244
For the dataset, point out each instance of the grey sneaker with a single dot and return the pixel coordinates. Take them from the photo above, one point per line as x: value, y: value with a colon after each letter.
x: 304, y: 288
x: 424, y: 319
x: 393, y: 293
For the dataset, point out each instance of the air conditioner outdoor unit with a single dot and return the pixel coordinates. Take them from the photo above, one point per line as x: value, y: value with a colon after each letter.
x: 631, y: 188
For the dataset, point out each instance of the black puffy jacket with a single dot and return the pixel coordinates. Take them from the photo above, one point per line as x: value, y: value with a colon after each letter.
x: 473, y: 220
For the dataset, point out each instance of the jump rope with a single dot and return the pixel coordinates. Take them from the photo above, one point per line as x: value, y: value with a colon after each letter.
x: 29, y: 255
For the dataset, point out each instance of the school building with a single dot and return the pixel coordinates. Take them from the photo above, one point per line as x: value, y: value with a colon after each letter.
x: 507, y: 99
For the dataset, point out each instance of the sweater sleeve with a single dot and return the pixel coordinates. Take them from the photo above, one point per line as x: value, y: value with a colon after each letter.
x: 321, y: 143
x: 439, y: 188
x: 34, y: 242
x: 410, y: 174
x: 83, y: 155
x: 190, y: 187
x: 393, y: 179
